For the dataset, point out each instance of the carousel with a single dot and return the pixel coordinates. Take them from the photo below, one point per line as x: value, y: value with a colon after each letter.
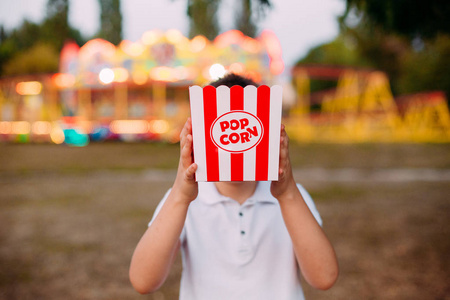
x: 131, y: 92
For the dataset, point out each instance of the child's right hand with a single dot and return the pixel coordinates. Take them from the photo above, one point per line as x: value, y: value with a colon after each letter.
x: 185, y: 186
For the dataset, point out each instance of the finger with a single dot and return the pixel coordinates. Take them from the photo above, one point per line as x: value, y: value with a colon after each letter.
x: 184, y: 132
x: 283, y: 134
x: 190, y: 172
x: 281, y: 175
x: 284, y: 149
x: 186, y: 151
x: 189, y: 125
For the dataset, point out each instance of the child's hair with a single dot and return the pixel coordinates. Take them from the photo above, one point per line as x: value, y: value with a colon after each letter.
x: 232, y: 79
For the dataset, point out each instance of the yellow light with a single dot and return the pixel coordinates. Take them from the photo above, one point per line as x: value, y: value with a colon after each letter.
x: 20, y: 127
x: 158, y: 126
x: 174, y: 36
x: 217, y: 71
x: 140, y: 77
x: 162, y: 74
x: 5, y: 127
x: 28, y: 88
x: 129, y: 126
x: 63, y: 80
x: 151, y: 37
x: 136, y: 49
x: 132, y: 49
x: 41, y: 127
x: 120, y: 74
x: 198, y: 43
x: 106, y: 76
x: 57, y: 135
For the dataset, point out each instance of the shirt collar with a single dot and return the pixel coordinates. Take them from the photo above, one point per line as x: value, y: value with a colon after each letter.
x: 210, y: 195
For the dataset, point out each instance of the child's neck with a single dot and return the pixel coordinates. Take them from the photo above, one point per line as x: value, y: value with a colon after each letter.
x: 237, y: 190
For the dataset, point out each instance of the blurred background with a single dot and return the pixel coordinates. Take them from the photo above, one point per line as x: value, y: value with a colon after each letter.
x: 93, y: 95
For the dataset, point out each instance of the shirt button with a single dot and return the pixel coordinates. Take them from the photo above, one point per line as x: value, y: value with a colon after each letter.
x: 242, y: 232
x: 241, y: 214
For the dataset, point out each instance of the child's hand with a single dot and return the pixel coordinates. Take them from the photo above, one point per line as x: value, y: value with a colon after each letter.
x: 185, y: 185
x: 286, y: 182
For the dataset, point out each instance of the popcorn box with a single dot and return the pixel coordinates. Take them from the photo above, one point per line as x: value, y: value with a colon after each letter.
x: 236, y: 132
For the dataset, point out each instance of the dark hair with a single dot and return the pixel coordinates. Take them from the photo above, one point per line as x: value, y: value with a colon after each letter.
x: 232, y: 79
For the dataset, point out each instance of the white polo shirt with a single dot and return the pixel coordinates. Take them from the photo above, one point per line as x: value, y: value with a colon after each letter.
x: 233, y: 251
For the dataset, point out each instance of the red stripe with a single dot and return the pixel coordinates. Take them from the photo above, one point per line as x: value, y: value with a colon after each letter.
x: 212, y: 154
x: 237, y: 159
x: 262, y: 150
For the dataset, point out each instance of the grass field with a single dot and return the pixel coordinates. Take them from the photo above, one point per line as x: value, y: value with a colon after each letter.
x: 71, y: 217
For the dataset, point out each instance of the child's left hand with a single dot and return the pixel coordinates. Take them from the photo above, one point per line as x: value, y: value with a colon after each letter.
x: 286, y: 182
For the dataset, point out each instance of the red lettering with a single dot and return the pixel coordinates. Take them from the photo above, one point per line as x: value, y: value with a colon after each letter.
x: 234, y: 124
x: 244, y: 123
x: 234, y: 137
x: 224, y: 125
x: 244, y: 137
x: 223, y: 139
x: 253, y: 131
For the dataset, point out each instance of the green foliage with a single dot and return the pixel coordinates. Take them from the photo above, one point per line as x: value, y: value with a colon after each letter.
x: 406, y: 17
x: 25, y: 36
x: 409, y: 40
x: 18, y: 40
x: 202, y: 18
x: 244, y: 20
x: 110, y: 21
x: 30, y: 38
x: 40, y: 58
x: 55, y: 28
x: 342, y: 52
x: 427, y: 69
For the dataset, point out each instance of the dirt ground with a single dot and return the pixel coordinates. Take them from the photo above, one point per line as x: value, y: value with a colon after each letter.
x: 71, y: 217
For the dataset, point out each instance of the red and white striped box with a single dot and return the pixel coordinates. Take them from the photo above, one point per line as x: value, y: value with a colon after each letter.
x: 236, y: 132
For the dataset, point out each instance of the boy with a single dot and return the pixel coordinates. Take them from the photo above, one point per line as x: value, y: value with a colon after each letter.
x: 239, y: 240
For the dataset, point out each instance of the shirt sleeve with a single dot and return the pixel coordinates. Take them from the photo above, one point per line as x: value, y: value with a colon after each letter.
x: 310, y: 203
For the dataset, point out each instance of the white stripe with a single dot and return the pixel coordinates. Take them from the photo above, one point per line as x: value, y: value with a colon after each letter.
x: 198, y: 131
x: 223, y: 106
x: 250, y: 100
x: 276, y: 96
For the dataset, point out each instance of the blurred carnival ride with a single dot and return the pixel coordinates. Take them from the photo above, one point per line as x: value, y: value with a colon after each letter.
x: 361, y: 108
x: 139, y: 91
x: 135, y: 91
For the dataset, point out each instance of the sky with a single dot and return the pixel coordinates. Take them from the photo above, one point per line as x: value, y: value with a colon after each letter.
x: 299, y: 24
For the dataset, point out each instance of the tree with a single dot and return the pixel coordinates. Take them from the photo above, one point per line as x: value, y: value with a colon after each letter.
x: 110, y: 21
x: 23, y: 41
x: 18, y: 40
x: 40, y: 58
x: 203, y: 17
x: 55, y: 28
x: 407, y: 39
x: 412, y: 18
x: 427, y: 69
x: 245, y: 21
